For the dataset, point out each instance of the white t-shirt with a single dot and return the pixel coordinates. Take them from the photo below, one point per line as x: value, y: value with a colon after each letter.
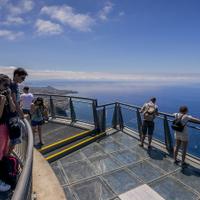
x: 26, y: 100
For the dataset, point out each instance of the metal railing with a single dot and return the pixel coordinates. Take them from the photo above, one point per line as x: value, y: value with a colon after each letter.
x: 71, y: 107
x: 113, y: 115
x: 128, y: 116
x: 24, y: 153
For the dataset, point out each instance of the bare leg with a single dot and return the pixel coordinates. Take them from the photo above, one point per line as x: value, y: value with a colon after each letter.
x: 177, y: 147
x: 40, y: 134
x: 149, y: 139
x: 142, y: 140
x: 144, y: 131
x: 184, y: 150
x: 34, y: 129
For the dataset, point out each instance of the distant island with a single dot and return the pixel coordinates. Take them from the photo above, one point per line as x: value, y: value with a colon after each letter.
x: 50, y: 90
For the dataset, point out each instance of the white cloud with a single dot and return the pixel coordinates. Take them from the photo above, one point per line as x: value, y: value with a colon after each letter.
x: 103, y: 14
x: 160, y: 78
x: 47, y: 27
x: 23, y: 6
x: 10, y: 35
x: 66, y: 15
x: 13, y: 20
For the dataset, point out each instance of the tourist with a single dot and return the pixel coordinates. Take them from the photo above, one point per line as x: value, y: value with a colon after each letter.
x: 37, y: 117
x: 19, y: 75
x: 6, y: 105
x: 182, y: 137
x: 26, y: 100
x: 150, y: 111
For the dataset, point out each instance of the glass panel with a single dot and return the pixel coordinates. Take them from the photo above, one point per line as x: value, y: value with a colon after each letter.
x: 190, y: 176
x: 109, y: 147
x: 79, y: 170
x: 194, y: 142
x: 125, y: 139
x: 73, y: 157
x: 84, y: 111
x: 146, y: 171
x: 121, y: 181
x: 159, y: 130
x: 170, y: 188
x: 93, y: 189
x: 126, y: 157
x: 92, y: 150
x: 61, y: 106
x: 109, y: 116
x: 104, y: 164
x: 130, y: 118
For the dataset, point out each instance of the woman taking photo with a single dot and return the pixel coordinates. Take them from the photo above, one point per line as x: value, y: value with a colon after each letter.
x: 6, y: 107
x: 37, y: 117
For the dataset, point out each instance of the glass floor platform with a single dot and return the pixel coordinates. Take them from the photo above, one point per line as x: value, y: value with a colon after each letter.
x: 105, y: 169
x: 53, y: 132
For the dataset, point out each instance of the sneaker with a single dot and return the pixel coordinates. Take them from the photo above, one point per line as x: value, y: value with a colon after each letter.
x: 149, y: 147
x: 176, y: 162
x: 184, y: 165
x: 141, y: 145
x: 4, y: 187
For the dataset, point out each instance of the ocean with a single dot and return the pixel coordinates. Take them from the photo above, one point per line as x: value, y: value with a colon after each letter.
x: 169, y: 97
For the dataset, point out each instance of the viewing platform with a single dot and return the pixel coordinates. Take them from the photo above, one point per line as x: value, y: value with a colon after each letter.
x: 94, y: 153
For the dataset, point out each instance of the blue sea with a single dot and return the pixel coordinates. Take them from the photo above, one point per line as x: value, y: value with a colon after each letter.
x: 169, y: 97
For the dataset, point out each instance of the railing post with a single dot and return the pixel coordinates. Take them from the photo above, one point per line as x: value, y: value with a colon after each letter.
x: 115, y: 117
x: 139, y: 123
x: 120, y: 118
x: 168, y: 138
x: 52, y: 108
x: 94, y: 107
x: 101, y: 120
x: 72, y: 111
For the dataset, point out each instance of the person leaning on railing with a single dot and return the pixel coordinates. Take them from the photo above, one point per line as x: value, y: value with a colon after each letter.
x: 182, y: 137
x: 6, y: 106
x: 149, y: 111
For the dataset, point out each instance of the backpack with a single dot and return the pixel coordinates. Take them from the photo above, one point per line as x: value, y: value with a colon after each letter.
x: 177, y: 124
x: 149, y: 114
x: 14, y: 128
x: 10, y: 170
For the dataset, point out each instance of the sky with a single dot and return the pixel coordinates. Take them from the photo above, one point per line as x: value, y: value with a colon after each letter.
x: 101, y: 36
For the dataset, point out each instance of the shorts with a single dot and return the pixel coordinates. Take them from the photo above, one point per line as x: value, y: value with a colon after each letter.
x: 26, y: 112
x: 4, y: 140
x: 181, y: 136
x: 148, y: 126
x: 15, y: 141
x: 37, y: 123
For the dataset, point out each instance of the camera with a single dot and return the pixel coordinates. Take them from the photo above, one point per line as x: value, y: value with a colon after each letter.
x: 5, y: 92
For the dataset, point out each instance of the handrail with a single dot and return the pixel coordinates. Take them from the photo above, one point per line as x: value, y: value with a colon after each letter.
x: 23, y: 190
x: 67, y: 96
